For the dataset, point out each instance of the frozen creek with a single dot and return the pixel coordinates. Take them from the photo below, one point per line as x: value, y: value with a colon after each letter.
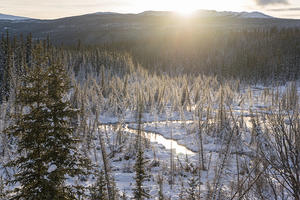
x: 153, y: 137
x: 158, y: 138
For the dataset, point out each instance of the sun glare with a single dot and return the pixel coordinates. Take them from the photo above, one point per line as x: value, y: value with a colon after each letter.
x: 185, y: 11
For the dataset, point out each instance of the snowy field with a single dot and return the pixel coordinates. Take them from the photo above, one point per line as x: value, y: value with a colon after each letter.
x: 181, y: 133
x: 181, y: 145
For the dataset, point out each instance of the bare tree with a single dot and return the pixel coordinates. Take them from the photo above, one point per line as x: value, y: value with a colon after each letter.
x: 280, y: 148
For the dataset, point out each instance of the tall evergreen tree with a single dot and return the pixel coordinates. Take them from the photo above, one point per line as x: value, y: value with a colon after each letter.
x: 61, y: 140
x: 98, y: 191
x: 44, y: 136
x: 140, y: 192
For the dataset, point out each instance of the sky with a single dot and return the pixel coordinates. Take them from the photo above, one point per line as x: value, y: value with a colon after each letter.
x: 51, y: 9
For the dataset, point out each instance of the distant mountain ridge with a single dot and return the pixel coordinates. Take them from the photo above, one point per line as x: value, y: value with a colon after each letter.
x: 254, y: 14
x: 105, y: 13
x: 213, y: 13
x: 204, y: 13
x: 12, y: 17
x: 106, y: 27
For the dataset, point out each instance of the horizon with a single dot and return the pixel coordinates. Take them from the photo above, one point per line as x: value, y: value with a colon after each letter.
x: 184, y: 14
x: 60, y: 9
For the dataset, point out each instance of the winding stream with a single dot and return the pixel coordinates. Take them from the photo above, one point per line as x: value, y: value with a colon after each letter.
x: 158, y: 138
x: 155, y: 138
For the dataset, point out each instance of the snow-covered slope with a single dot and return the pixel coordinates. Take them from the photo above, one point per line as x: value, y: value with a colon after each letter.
x: 254, y: 15
x: 155, y: 13
x: 212, y: 13
x: 11, y: 17
x: 105, y: 13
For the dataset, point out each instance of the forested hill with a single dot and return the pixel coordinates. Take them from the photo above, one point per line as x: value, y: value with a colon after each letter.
x: 263, y: 49
x: 102, y: 28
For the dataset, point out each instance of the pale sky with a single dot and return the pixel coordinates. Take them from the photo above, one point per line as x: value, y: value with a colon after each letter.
x: 51, y: 9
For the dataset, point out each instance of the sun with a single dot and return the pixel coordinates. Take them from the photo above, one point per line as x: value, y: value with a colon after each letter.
x: 185, y: 11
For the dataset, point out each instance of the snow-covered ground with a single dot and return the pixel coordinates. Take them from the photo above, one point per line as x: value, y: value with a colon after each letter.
x: 172, y: 146
x: 170, y: 131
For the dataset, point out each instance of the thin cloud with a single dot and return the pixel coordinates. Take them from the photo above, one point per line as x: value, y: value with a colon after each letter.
x: 268, y: 2
x: 285, y: 9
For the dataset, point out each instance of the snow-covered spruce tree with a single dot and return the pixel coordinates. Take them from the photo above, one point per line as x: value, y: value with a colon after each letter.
x: 47, y: 152
x: 192, y: 190
x: 98, y: 191
x: 140, y: 192
x: 62, y: 142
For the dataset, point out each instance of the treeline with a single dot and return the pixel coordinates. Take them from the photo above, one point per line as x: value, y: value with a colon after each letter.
x: 15, y: 56
x: 258, y: 55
